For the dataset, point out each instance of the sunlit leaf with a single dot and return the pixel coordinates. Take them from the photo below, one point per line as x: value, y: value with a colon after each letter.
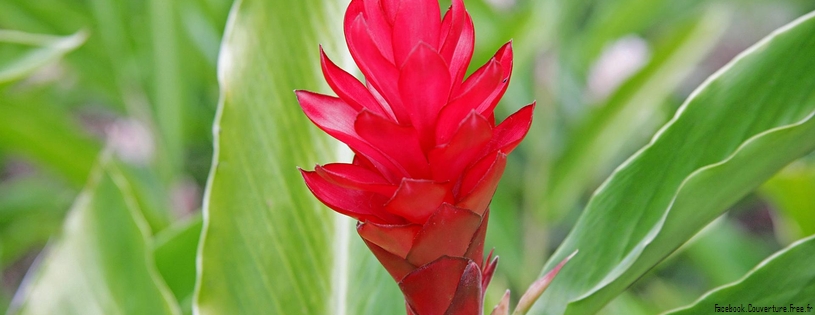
x: 175, y: 250
x: 46, y: 49
x: 742, y: 125
x: 269, y: 247
x: 784, y: 280
x: 101, y: 263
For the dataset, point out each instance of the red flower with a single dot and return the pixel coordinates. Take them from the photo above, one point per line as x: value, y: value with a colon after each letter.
x: 428, y: 155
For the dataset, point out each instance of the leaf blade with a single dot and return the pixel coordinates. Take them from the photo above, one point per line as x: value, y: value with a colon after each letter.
x: 51, y: 48
x: 746, y: 122
x: 102, y: 263
x: 761, y: 286
x: 268, y: 244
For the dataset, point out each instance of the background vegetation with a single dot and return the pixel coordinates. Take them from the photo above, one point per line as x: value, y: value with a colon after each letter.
x: 106, y: 142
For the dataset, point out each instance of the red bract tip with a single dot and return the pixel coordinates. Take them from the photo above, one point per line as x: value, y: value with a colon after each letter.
x: 428, y: 152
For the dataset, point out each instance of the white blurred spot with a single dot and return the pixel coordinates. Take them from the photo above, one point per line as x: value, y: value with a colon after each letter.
x: 502, y: 4
x: 618, y: 62
x: 52, y: 72
x: 132, y: 141
x: 225, y: 65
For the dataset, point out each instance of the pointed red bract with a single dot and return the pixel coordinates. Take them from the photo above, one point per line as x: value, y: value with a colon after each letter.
x: 489, y: 270
x: 396, y: 239
x: 508, y: 134
x: 469, y: 297
x: 428, y: 154
x: 448, y: 160
x: 430, y: 289
x: 440, y: 236
x: 417, y: 21
x: 380, y: 133
x: 359, y: 204
x: 479, y: 197
x: 379, y: 27
x: 462, y: 105
x: 476, y: 250
x: 417, y: 199
x: 477, y: 173
x: 424, y: 84
x: 355, y: 177
x: 380, y: 72
x: 396, y: 266
x: 456, y: 43
x: 349, y: 88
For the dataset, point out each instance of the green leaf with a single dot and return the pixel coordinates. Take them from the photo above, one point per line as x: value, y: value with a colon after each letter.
x: 152, y: 197
x: 102, y: 262
x: 742, y: 125
x: 175, y: 251
x: 606, y: 132
x: 783, y: 280
x: 269, y: 247
x: 48, y: 49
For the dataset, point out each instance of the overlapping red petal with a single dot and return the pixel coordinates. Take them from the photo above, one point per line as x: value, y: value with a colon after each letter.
x: 428, y: 152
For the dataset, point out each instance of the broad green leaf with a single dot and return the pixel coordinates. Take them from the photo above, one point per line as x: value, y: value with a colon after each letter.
x: 784, y: 280
x: 175, y: 251
x: 604, y: 134
x: 152, y: 197
x: 102, y: 262
x: 46, y: 49
x: 719, y: 254
x: 742, y: 125
x: 269, y: 247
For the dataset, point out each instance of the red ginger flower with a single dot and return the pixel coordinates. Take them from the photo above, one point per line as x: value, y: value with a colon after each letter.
x: 428, y: 155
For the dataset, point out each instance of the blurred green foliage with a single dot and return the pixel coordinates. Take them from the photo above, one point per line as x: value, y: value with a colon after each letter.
x: 138, y: 78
